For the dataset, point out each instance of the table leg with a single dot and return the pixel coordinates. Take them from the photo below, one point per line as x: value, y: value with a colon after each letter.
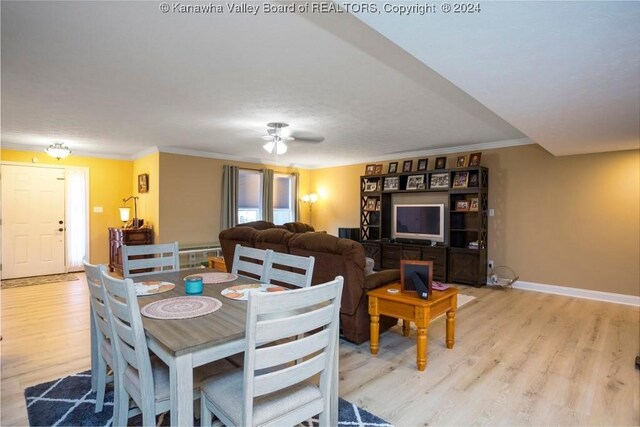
x: 422, y: 316
x: 406, y: 327
x: 421, y: 359
x: 374, y: 341
x: 181, y: 391
x: 451, y: 328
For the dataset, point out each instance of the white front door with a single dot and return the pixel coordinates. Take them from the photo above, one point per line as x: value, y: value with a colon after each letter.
x: 32, y: 221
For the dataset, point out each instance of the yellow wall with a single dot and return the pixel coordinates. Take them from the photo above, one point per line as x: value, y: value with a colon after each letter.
x: 568, y: 221
x: 109, y: 183
x: 148, y: 203
x: 191, y: 191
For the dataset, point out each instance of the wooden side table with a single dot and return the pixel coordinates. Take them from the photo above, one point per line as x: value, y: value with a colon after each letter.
x: 410, y: 308
x: 217, y: 262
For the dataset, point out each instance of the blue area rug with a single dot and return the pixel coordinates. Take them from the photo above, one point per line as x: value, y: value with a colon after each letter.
x: 69, y: 401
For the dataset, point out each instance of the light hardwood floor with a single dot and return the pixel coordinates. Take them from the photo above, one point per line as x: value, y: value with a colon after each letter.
x: 520, y: 358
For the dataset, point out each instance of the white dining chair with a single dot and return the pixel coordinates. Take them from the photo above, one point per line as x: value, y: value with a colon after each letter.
x: 290, y: 269
x: 140, y: 377
x: 101, y: 331
x: 149, y: 258
x: 272, y: 389
x: 251, y: 262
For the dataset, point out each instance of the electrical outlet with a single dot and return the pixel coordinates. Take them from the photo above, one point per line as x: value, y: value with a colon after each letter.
x: 490, y: 264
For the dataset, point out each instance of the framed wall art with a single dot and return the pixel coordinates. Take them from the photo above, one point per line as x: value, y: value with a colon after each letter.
x: 143, y: 183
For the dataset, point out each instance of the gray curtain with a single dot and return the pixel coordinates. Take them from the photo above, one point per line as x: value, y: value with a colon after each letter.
x: 229, y: 214
x: 296, y: 193
x: 267, y: 194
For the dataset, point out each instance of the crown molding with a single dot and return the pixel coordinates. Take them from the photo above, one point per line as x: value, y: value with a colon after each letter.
x: 74, y: 152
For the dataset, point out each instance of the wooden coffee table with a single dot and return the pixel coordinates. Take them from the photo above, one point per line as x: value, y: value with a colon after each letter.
x: 410, y: 308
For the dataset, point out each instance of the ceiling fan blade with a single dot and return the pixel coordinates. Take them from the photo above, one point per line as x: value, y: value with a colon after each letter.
x: 310, y: 137
x: 267, y: 137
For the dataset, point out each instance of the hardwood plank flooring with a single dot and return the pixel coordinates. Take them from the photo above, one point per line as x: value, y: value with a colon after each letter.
x: 520, y: 358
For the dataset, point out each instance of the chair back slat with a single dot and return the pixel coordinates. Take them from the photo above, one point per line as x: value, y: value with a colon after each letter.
x: 266, y: 357
x: 285, y: 327
x: 290, y: 270
x: 161, y: 257
x: 283, y: 378
x: 251, y: 262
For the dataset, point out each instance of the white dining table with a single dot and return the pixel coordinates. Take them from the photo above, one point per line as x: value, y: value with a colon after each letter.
x: 186, y: 344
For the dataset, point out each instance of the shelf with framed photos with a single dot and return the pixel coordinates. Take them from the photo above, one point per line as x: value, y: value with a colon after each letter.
x: 463, y: 258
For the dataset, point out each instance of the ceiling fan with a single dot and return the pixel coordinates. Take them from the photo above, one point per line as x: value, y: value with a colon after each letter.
x: 276, y: 139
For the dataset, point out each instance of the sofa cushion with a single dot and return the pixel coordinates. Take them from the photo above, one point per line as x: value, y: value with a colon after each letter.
x: 244, y: 236
x: 258, y: 225
x: 337, y: 257
x: 273, y: 238
x: 298, y: 227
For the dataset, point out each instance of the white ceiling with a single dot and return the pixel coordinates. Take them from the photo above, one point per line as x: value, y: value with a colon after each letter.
x: 116, y: 79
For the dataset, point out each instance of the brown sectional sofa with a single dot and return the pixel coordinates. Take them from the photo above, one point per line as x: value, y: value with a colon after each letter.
x: 333, y: 257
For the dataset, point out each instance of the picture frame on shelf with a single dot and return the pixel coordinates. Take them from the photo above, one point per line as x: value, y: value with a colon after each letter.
x: 422, y: 164
x: 474, y: 159
x: 461, y: 161
x: 391, y: 183
x: 460, y: 179
x: 371, y: 204
x: 416, y: 277
x: 407, y: 165
x: 441, y: 163
x: 473, y: 206
x: 143, y: 183
x: 378, y: 169
x: 378, y: 204
x: 439, y: 180
x: 393, y: 167
x: 462, y: 205
x: 473, y: 180
x: 413, y: 181
x: 370, y: 170
x: 370, y: 186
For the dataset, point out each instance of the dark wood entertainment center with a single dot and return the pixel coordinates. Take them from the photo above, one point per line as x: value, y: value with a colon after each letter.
x: 462, y: 258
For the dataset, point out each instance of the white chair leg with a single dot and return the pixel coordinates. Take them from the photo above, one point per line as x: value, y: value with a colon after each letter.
x: 148, y: 412
x: 122, y: 411
x: 101, y: 383
x: 205, y: 413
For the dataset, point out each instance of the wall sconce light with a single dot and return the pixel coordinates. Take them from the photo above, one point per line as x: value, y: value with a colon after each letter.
x: 58, y: 150
x: 125, y: 212
x: 309, y: 199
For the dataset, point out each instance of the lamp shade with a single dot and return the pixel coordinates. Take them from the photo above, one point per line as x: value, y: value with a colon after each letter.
x: 125, y: 214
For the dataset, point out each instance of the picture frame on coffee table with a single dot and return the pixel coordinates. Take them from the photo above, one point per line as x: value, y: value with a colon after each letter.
x: 416, y: 277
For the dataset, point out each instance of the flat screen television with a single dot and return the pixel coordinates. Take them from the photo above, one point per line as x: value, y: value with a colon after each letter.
x: 417, y: 222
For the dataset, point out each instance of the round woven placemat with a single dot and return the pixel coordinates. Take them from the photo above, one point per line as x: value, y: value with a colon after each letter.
x: 181, y: 307
x: 213, y: 278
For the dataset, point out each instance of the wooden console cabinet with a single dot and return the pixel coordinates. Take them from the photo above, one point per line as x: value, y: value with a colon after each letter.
x: 125, y: 236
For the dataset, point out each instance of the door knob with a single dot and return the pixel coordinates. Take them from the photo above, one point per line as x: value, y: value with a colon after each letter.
x: 60, y: 229
x: 61, y: 222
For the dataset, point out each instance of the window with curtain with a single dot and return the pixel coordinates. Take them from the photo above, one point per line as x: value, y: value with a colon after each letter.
x: 249, y: 195
x: 77, y: 221
x: 284, y: 198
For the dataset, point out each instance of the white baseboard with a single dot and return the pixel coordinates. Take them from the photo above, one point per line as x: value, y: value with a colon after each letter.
x: 579, y: 293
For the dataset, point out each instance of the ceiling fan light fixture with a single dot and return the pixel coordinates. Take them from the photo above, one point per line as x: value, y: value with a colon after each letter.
x: 58, y: 150
x: 279, y: 146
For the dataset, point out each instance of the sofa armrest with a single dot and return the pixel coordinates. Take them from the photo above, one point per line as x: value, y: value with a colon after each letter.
x: 381, y: 278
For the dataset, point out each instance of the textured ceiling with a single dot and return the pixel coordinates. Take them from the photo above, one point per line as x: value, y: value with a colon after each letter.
x: 116, y: 79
